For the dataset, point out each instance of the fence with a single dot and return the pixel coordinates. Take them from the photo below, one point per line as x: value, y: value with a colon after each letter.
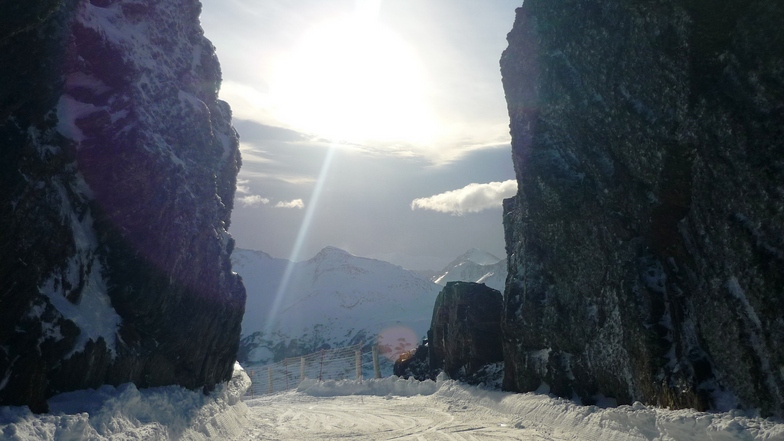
x: 330, y: 364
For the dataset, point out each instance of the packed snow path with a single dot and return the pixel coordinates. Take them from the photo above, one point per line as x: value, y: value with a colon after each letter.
x: 293, y: 416
x: 394, y: 409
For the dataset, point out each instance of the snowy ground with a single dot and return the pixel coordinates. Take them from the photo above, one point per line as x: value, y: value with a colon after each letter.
x: 385, y: 409
x: 390, y: 409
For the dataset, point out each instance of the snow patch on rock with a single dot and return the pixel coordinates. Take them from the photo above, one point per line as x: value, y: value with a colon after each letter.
x: 93, y: 313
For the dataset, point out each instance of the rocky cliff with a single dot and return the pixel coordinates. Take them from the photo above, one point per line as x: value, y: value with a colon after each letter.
x: 646, y: 243
x: 117, y: 174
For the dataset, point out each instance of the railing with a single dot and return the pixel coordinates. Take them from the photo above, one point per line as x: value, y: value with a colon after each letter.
x: 327, y: 364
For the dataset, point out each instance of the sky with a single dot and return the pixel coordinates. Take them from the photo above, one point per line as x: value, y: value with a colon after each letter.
x: 379, y: 127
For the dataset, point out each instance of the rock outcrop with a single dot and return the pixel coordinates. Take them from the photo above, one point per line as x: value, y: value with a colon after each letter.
x: 465, y: 333
x: 117, y: 174
x: 646, y: 243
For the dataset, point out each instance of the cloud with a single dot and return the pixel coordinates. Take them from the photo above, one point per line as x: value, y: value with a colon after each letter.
x: 251, y: 154
x: 242, y: 186
x: 252, y: 200
x: 294, y: 203
x: 255, y: 130
x: 470, y: 199
x: 247, y: 101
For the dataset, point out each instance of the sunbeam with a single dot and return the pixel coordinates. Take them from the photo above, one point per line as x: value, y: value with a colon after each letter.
x: 301, y: 235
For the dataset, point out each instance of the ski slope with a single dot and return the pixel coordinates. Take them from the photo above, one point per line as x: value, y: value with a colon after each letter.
x: 395, y: 409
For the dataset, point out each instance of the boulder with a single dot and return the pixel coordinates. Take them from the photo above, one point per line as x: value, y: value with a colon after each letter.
x: 465, y: 333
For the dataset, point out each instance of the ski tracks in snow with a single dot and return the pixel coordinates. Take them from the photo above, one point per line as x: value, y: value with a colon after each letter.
x: 293, y: 416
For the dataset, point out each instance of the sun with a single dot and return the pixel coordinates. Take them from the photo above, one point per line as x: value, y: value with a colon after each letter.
x: 353, y: 79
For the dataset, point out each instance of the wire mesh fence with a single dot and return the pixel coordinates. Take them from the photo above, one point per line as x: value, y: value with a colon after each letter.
x: 328, y: 364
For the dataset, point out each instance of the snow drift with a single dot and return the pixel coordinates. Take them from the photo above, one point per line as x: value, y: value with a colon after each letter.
x: 127, y: 413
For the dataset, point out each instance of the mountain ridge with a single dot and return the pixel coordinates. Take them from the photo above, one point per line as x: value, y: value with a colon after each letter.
x: 332, y: 299
x: 474, y: 266
x: 337, y: 299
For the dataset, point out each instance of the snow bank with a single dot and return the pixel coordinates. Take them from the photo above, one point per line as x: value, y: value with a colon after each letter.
x: 127, y: 413
x: 564, y: 418
x: 636, y: 422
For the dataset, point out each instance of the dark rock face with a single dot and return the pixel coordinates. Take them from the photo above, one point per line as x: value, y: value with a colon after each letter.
x: 646, y: 242
x: 465, y: 333
x: 117, y: 174
x: 415, y: 364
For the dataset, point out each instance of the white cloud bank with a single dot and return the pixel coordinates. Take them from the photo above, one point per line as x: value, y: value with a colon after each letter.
x: 294, y: 203
x: 252, y: 200
x: 472, y: 198
x: 242, y: 186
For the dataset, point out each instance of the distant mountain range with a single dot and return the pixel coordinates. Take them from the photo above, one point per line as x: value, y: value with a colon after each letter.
x: 336, y: 299
x: 474, y: 266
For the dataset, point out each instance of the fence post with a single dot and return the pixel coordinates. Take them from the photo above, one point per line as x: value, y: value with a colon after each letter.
x: 358, y: 354
x: 321, y: 365
x: 269, y: 376
x: 286, y: 371
x: 376, y: 366
x: 251, y: 384
x: 301, y: 369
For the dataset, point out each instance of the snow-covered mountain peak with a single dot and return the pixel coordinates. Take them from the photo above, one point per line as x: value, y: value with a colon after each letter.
x: 250, y: 255
x: 345, y: 265
x: 479, y: 257
x: 334, y: 299
x: 330, y: 252
x: 474, y: 266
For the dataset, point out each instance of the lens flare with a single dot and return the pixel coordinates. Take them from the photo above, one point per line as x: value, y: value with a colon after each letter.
x: 392, y: 342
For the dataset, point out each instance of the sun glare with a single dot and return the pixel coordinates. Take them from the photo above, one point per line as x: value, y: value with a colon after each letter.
x: 353, y: 79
